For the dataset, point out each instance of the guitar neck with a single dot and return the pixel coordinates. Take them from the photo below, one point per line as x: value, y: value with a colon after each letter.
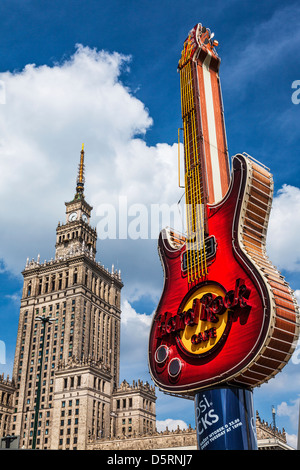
x: 195, y: 182
x: 195, y: 178
x: 205, y: 148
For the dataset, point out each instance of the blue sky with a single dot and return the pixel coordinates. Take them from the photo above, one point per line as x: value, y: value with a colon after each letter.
x: 105, y: 74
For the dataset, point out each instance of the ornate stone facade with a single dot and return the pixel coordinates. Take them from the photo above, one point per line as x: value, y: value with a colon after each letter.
x: 270, y: 437
x: 67, y: 359
x: 7, y: 390
x: 134, y: 409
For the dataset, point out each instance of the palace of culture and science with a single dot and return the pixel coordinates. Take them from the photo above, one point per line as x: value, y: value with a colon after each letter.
x: 65, y: 391
x: 65, y: 385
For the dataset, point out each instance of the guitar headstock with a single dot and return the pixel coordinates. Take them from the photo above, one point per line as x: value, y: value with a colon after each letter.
x: 199, y: 38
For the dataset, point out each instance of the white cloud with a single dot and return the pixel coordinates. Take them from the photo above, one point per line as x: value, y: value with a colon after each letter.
x: 134, y: 343
x: 130, y: 317
x: 291, y: 411
x: 49, y: 112
x: 171, y: 424
x: 16, y: 297
x: 291, y: 440
x: 284, y: 228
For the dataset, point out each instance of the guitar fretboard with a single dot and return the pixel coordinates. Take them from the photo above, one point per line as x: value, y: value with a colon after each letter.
x: 194, y: 180
x: 205, y: 149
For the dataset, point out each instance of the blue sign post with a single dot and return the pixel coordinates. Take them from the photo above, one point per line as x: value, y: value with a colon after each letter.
x: 225, y: 419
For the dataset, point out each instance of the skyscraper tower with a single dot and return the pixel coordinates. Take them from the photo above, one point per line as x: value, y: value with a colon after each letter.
x: 72, y: 363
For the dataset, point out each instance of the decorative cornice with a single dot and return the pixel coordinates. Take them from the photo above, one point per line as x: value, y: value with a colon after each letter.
x: 71, y: 257
x: 76, y: 363
x: 136, y: 386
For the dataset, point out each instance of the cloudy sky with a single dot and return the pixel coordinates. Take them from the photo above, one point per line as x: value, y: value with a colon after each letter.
x: 104, y: 74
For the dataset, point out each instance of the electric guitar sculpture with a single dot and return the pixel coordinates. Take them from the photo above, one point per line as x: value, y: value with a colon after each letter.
x: 226, y: 315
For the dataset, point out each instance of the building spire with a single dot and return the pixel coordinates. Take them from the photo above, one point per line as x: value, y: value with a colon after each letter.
x: 80, y: 178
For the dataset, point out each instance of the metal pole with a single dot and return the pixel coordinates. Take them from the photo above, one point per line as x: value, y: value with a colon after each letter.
x: 225, y: 419
x: 44, y: 321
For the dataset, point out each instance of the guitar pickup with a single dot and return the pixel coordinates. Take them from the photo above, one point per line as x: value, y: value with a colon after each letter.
x: 210, y: 252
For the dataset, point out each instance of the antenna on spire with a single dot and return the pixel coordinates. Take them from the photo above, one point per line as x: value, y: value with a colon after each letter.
x: 274, y: 420
x: 80, y: 177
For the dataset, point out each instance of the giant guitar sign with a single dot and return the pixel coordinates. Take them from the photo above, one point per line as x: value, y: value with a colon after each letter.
x: 226, y: 315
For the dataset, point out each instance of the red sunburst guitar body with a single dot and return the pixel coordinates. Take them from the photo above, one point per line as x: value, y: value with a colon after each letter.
x: 248, y: 334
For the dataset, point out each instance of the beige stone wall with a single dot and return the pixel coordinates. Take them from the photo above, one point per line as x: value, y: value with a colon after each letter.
x: 134, y: 409
x: 85, y: 326
x: 7, y: 390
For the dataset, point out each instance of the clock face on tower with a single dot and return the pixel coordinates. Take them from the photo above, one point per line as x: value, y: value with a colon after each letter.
x: 84, y: 217
x: 73, y: 216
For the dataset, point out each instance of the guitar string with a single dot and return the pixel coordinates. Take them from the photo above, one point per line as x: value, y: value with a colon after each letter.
x: 195, y: 223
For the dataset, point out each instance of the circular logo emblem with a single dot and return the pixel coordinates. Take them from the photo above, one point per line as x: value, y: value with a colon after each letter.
x: 205, y: 320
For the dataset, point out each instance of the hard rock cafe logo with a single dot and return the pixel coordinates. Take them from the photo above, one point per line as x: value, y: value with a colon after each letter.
x: 204, y: 318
